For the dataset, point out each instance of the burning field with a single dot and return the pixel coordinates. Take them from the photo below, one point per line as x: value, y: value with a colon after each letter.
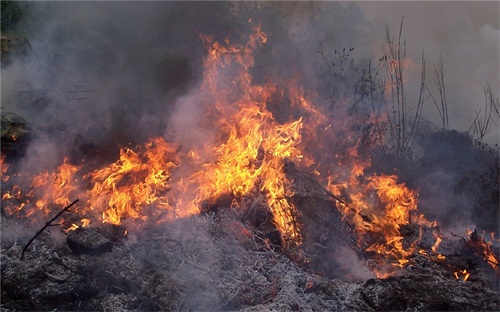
x: 265, y: 197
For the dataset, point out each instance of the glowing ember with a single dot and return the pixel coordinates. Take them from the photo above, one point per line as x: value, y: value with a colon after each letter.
x: 438, y: 241
x: 3, y: 169
x: 461, y: 275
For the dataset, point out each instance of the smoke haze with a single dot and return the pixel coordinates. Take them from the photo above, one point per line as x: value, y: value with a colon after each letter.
x: 105, y: 75
x: 465, y: 33
x: 117, y: 64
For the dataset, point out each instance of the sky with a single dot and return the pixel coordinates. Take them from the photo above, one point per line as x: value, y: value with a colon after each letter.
x: 465, y: 33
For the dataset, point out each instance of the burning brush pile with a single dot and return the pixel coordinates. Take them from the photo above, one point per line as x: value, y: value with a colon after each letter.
x: 277, y: 208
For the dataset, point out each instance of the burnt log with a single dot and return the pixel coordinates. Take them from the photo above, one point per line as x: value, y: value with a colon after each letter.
x: 326, y: 236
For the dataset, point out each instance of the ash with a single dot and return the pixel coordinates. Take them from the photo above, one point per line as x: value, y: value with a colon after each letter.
x: 214, y: 262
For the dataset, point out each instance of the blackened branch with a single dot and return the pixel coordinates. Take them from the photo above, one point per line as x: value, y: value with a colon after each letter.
x: 47, y: 224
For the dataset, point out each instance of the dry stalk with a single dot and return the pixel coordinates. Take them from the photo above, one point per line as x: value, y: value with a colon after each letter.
x: 45, y: 226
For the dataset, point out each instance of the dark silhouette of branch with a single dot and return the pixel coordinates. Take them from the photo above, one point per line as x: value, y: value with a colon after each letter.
x: 403, y: 124
x: 47, y: 224
x: 481, y: 124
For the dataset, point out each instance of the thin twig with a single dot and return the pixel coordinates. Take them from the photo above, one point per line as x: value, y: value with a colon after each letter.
x: 45, y: 226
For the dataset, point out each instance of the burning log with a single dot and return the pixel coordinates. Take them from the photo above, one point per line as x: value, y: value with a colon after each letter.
x: 325, y: 235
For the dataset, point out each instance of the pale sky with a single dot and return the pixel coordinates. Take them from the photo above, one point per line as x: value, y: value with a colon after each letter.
x: 468, y: 36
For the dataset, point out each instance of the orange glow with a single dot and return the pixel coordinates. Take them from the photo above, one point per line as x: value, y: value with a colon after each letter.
x: 436, y: 244
x: 251, y: 156
x: 3, y: 169
x: 85, y: 222
x: 47, y: 188
x: 377, y: 209
x: 72, y: 227
x: 461, y: 274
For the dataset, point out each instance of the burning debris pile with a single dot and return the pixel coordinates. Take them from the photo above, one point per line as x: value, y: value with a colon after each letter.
x: 263, y: 212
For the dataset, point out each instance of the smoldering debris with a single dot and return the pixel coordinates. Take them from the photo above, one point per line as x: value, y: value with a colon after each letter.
x: 221, y: 264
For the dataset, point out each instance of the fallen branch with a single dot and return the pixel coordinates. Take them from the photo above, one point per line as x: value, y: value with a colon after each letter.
x: 45, y: 226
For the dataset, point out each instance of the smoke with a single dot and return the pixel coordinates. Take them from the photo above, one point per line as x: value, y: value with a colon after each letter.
x: 465, y: 34
x: 185, y: 122
x: 112, y: 72
x: 354, y: 269
x: 105, y: 75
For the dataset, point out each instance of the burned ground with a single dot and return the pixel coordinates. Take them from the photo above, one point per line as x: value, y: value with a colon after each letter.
x: 220, y: 264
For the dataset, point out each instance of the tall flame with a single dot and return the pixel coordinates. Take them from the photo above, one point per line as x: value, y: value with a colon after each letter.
x: 251, y: 155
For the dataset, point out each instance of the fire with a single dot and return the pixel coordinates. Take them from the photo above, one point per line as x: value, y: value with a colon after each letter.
x: 160, y: 180
x: 436, y: 244
x: 57, y: 186
x: 85, y: 223
x: 46, y: 188
x: 461, y: 274
x: 3, y: 169
x: 122, y: 189
x: 482, y: 248
x: 398, y: 202
x: 247, y: 157
x: 251, y: 157
x: 378, y: 208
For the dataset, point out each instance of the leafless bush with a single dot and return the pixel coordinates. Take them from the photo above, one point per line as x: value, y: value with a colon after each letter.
x: 442, y: 107
x: 489, y: 114
x: 368, y: 105
x: 403, y: 120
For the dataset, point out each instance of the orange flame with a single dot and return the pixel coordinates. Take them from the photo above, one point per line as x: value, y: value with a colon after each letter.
x: 251, y: 156
x: 3, y: 169
x: 122, y: 189
x: 436, y: 244
x: 377, y: 209
x: 482, y: 248
x: 47, y: 188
